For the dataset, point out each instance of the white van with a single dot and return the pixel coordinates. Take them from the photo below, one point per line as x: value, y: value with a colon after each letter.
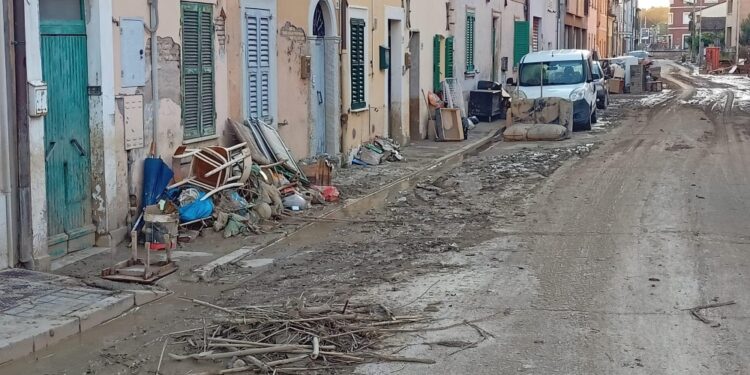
x: 561, y: 74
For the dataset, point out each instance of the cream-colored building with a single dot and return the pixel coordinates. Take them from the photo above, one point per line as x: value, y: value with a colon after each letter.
x: 374, y: 74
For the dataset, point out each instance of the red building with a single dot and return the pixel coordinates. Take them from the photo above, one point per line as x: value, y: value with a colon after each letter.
x: 678, y: 29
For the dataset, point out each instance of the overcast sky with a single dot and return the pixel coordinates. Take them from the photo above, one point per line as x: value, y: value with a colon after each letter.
x: 653, y: 3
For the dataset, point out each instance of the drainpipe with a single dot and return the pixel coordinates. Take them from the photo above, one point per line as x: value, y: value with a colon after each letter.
x: 154, y: 5
x: 25, y: 246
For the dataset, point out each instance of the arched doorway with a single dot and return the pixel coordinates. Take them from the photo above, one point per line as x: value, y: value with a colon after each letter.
x: 324, y: 91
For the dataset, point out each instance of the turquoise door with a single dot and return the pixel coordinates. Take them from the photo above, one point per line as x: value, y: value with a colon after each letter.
x: 66, y: 129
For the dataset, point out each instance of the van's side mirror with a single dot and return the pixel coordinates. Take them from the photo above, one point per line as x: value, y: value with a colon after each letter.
x: 510, y: 82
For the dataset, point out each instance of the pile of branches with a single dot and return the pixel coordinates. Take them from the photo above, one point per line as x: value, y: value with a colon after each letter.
x: 294, y: 337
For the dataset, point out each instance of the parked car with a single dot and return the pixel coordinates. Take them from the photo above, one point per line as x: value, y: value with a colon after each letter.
x: 600, y: 81
x: 563, y: 74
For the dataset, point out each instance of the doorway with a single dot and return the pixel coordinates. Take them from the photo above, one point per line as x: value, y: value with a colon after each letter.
x: 395, y: 83
x: 415, y: 100
x: 66, y: 127
x: 317, y: 83
x: 324, y: 129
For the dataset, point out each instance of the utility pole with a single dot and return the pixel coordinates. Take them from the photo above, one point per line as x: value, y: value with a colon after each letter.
x: 700, y: 35
x: 692, y: 31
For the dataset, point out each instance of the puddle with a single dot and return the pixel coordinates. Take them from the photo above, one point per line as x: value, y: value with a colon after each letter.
x: 189, y: 254
x: 255, y: 263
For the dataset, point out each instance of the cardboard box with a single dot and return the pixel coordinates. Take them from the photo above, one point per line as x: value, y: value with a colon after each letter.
x: 616, y: 86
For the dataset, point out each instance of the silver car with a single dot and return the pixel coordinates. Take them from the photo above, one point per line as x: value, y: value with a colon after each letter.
x: 600, y: 82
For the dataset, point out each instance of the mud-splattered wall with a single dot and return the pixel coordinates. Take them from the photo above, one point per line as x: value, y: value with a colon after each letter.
x: 169, y: 133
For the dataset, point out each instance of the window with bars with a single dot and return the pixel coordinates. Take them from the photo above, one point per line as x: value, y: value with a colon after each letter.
x: 470, y: 22
x: 198, y: 113
x: 357, y: 53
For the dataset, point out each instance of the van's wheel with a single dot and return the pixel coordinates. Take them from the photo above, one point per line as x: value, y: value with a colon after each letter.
x: 584, y: 126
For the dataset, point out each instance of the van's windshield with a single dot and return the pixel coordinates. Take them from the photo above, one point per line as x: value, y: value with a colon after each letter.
x: 552, y: 73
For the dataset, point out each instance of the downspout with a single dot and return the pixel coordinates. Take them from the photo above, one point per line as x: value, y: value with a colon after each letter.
x: 25, y: 246
x: 154, y: 5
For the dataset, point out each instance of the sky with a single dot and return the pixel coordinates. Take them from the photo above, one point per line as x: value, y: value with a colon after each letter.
x: 653, y: 3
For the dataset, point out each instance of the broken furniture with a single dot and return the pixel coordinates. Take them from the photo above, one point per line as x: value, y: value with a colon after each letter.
x: 215, y: 168
x: 450, y: 127
x: 542, y: 119
x: 142, y: 271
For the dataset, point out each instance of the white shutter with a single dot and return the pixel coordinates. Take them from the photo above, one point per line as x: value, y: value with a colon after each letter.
x: 259, y: 49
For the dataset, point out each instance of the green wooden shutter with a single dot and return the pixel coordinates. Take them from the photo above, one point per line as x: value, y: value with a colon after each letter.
x: 520, y: 40
x: 259, y: 49
x: 357, y: 46
x: 436, y: 64
x: 198, y: 113
x: 470, y: 20
x: 449, y: 57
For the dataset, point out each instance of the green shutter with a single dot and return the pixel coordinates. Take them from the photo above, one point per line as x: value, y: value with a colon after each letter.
x: 470, y: 20
x: 436, y: 64
x: 520, y: 40
x: 357, y: 47
x: 449, y: 57
x: 198, y: 113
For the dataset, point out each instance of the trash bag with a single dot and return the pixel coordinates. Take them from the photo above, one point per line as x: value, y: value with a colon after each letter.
x: 198, y: 209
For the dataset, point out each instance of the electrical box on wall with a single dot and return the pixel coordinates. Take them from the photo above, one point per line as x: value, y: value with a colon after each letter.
x: 132, y: 52
x: 133, y: 121
x: 37, y: 102
x: 385, y: 58
x: 504, y: 64
x: 305, y: 66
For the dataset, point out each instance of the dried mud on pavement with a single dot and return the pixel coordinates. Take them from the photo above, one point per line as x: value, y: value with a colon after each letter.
x: 602, y: 254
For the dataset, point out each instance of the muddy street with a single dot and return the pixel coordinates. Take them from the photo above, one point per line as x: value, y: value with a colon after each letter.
x: 583, y: 256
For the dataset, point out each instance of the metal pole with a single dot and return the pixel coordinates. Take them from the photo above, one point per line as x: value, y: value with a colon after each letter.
x: 700, y: 36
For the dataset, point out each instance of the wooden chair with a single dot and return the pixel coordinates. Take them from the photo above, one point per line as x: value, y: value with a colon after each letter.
x: 215, y: 168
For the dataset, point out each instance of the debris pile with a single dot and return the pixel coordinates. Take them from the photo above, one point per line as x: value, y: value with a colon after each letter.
x: 295, y: 337
x: 374, y: 153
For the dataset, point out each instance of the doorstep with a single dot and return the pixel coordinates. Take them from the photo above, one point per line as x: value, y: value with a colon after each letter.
x: 40, y: 309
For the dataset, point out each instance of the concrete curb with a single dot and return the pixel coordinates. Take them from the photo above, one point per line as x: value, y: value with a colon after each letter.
x: 205, y: 272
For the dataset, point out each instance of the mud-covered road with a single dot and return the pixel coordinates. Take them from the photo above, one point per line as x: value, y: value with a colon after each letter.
x: 575, y: 257
x: 615, y: 247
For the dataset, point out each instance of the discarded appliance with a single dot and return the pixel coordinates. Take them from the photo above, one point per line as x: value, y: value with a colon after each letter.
x: 450, y: 126
x: 488, y: 104
x: 162, y: 220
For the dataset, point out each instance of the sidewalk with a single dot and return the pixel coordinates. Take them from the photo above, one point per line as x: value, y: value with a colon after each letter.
x: 38, y: 310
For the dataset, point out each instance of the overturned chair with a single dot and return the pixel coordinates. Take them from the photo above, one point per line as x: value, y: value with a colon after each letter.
x: 214, y: 168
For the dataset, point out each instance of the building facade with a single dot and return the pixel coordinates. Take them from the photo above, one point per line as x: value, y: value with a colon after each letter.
x: 576, y: 24
x: 737, y: 11
x: 680, y: 18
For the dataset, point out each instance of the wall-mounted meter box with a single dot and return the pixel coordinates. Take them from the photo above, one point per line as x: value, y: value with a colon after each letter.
x: 385, y: 58
x: 37, y: 102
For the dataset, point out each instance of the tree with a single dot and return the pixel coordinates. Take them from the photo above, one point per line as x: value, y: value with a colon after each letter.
x: 655, y: 16
x: 745, y: 32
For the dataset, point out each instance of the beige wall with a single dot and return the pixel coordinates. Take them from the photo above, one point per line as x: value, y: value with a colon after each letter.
x: 170, y: 132
x: 362, y: 126
x: 428, y: 17
x: 486, y: 13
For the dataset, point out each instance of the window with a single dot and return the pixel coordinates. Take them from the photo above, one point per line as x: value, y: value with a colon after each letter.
x: 730, y: 6
x: 670, y: 20
x: 449, y: 57
x: 552, y: 73
x: 357, y: 53
x: 470, y: 21
x: 520, y: 40
x: 259, y: 51
x: 198, y: 117
x: 730, y: 39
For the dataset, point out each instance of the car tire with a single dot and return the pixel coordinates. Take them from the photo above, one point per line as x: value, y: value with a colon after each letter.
x: 594, y: 118
x: 584, y: 126
x: 603, y: 103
